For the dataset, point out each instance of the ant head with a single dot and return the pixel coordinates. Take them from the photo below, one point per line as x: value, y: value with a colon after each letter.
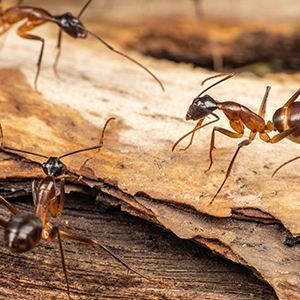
x: 54, y: 167
x: 201, y: 107
x: 71, y: 25
x: 23, y: 232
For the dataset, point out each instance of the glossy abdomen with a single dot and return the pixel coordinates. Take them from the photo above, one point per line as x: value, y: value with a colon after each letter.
x: 285, y: 118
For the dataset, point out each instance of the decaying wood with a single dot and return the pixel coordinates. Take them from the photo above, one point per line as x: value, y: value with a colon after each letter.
x: 136, y: 170
x: 191, y: 271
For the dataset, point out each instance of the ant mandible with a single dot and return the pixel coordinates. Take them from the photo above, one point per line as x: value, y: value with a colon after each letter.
x: 238, y: 115
x: 66, y: 22
x: 286, y: 117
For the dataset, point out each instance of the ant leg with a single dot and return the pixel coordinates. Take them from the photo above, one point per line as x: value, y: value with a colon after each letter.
x: 34, y: 192
x: 262, y: 109
x: 277, y: 138
x: 194, y: 130
x: 199, y: 123
x: 50, y: 237
x: 54, y: 209
x: 95, y: 243
x: 292, y: 99
x: 22, y: 33
x: 58, y: 46
x: 228, y: 133
x: 9, y: 206
x: 5, y: 28
x: 61, y: 198
x: 242, y: 144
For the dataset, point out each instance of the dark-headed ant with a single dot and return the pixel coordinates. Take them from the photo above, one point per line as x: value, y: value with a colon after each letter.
x: 66, y: 22
x: 239, y: 116
x: 53, y: 168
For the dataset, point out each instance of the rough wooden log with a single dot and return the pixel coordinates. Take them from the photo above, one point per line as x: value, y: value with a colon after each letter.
x: 136, y: 170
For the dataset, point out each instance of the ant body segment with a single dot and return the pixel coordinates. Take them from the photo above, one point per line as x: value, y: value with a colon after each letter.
x: 239, y: 116
x: 67, y: 22
x: 286, y: 117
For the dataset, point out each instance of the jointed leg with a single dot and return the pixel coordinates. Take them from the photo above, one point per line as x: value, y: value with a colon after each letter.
x: 224, y: 131
x: 9, y: 206
x: 197, y: 127
x: 50, y: 236
x: 58, y: 46
x: 199, y: 123
x: 244, y: 143
x: 22, y: 33
x: 95, y: 243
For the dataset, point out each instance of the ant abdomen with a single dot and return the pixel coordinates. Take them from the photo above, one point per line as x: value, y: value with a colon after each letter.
x: 23, y: 232
x: 287, y: 117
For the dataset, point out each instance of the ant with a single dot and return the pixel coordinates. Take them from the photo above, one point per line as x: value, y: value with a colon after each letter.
x: 54, y: 168
x: 285, y: 117
x: 23, y: 231
x: 239, y: 116
x: 66, y: 22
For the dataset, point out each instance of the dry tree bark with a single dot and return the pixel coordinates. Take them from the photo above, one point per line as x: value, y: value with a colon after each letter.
x: 135, y: 169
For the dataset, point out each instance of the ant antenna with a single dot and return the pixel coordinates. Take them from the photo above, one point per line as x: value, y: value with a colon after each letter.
x: 229, y: 75
x: 17, y: 150
x: 2, y: 146
x: 83, y: 9
x: 287, y: 162
x: 93, y: 147
x: 124, y: 55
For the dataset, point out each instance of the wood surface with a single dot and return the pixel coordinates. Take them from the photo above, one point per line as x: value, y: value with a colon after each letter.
x: 136, y: 171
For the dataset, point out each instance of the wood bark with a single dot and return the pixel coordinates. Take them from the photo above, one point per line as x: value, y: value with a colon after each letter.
x: 136, y: 171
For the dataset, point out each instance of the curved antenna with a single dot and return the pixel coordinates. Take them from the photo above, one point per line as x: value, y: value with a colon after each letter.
x: 229, y: 75
x: 3, y: 147
x: 93, y: 147
x: 287, y: 162
x: 195, y: 129
x: 22, y: 151
x: 124, y: 55
x: 83, y: 9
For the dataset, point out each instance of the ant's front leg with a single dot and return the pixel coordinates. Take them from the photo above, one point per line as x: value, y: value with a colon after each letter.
x: 226, y: 132
x: 242, y: 144
x: 199, y: 123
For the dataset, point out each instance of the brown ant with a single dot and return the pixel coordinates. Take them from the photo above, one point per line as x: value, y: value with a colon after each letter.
x: 286, y: 117
x: 239, y: 116
x: 66, y: 22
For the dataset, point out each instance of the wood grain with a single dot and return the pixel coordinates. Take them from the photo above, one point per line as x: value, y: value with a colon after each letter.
x: 136, y: 171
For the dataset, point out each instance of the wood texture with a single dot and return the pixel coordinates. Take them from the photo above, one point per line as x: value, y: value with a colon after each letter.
x: 136, y: 170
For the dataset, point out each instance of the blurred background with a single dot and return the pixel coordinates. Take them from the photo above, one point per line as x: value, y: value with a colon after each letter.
x: 253, y: 36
